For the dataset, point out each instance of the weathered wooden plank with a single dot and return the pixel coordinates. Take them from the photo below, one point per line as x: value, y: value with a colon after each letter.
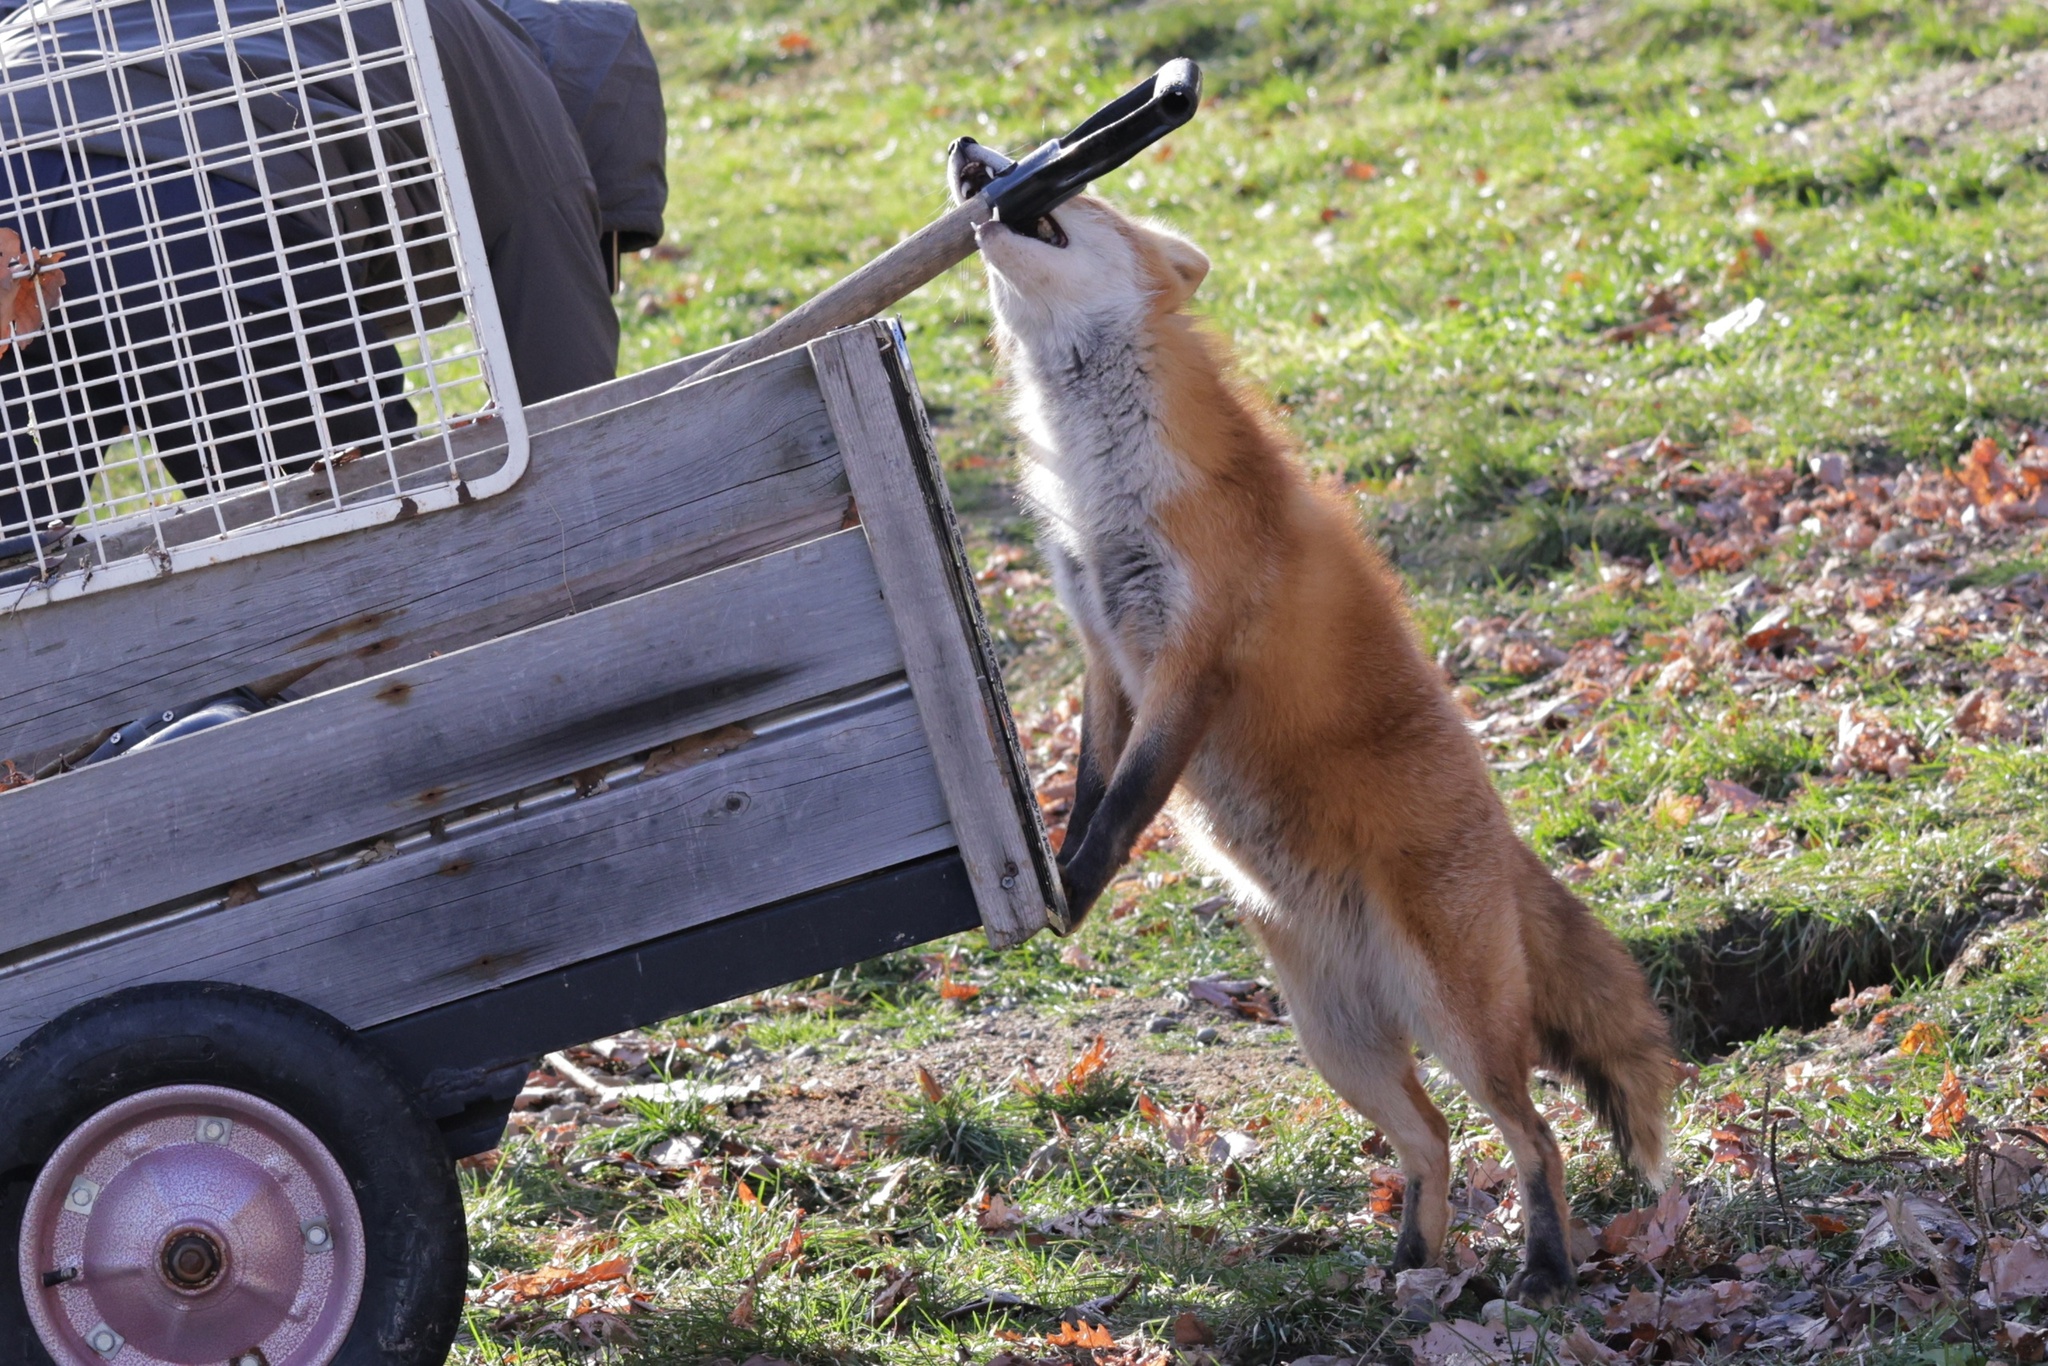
x: 925, y: 456
x: 442, y: 735
x: 625, y: 389
x: 612, y: 505
x: 476, y: 450
x: 813, y: 804
x: 934, y: 627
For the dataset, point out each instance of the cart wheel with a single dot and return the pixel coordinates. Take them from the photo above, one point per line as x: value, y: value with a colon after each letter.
x: 204, y: 1175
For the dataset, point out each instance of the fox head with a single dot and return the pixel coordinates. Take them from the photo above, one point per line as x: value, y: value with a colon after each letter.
x: 1077, y: 271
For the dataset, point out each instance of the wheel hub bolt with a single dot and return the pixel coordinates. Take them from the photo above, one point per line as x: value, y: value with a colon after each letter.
x: 192, y: 1260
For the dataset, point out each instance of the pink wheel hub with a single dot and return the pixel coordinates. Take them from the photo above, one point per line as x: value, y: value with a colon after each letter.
x: 192, y: 1226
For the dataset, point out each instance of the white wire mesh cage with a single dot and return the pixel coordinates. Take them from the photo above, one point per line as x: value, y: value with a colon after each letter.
x: 244, y: 301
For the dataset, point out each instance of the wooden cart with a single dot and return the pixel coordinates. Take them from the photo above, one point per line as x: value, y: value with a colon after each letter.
x: 702, y: 704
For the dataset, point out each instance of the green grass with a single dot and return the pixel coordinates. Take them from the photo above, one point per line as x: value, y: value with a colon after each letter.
x: 1434, y: 332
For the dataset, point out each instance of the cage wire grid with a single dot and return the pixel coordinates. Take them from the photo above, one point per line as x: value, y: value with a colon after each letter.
x: 238, y: 245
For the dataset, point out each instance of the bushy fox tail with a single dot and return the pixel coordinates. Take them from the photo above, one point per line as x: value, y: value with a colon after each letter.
x: 1595, y: 1020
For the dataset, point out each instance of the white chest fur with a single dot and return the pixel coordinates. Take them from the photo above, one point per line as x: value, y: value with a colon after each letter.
x: 1096, y: 474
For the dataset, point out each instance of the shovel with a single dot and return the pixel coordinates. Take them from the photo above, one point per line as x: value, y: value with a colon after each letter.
x: 1020, y: 194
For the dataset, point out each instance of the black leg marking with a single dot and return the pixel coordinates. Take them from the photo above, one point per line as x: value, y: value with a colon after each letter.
x: 1548, y: 1277
x: 1409, y: 1249
x: 1105, y: 726
x: 1144, y: 779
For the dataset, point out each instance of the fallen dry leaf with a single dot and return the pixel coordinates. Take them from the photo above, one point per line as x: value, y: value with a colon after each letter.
x: 696, y: 749
x: 2023, y: 1344
x: 1230, y: 1147
x: 998, y: 1216
x: 1924, y: 1037
x: 1091, y: 1061
x: 1930, y: 1218
x: 591, y: 1330
x: 1526, y: 659
x: 1866, y: 742
x: 2015, y: 1270
x: 1579, y: 1348
x: 1429, y: 1286
x: 1729, y: 796
x: 1650, y: 1232
x: 1080, y: 1335
x: 30, y: 285
x: 2004, y: 1171
x: 553, y: 1282
x: 1082, y: 1222
x: 1251, y: 1000
x: 1190, y: 1331
x: 1855, y: 1001
x: 743, y: 1314
x: 1984, y: 715
x: 1949, y: 1108
x: 1628, y: 334
x: 1774, y: 631
x: 1186, y: 1131
x: 1389, y: 1188
x: 1911, y: 1234
x: 1736, y: 1146
x: 1676, y: 810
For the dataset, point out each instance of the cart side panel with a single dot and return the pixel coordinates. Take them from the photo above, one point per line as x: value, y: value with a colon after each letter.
x: 476, y: 1051
x: 614, y: 504
x: 821, y: 800
x: 353, y: 764
x: 901, y: 502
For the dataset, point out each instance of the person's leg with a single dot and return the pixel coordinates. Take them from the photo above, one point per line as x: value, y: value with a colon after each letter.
x: 536, y: 204
x: 560, y: 326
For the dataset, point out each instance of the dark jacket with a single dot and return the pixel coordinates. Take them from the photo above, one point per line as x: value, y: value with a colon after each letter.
x: 608, y: 82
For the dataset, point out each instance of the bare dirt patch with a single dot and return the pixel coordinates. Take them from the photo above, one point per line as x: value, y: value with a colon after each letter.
x: 1576, y: 32
x: 863, y: 1085
x: 1970, y: 98
x: 818, y: 1097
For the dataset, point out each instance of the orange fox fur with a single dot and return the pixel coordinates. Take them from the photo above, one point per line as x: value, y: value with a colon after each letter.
x: 1249, y: 652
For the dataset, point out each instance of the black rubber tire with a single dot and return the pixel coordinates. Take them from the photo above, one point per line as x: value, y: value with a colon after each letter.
x: 293, y: 1056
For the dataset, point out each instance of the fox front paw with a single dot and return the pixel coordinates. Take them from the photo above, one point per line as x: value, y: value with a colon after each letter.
x: 1080, y: 897
x: 1410, y: 1251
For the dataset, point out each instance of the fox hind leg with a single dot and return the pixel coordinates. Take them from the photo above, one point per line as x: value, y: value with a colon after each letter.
x: 1548, y: 1274
x: 1373, y: 1069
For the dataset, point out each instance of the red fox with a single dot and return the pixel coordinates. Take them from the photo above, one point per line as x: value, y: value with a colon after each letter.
x: 1249, y: 652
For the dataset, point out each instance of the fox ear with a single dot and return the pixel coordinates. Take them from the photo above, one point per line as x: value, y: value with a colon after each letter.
x: 1184, y: 267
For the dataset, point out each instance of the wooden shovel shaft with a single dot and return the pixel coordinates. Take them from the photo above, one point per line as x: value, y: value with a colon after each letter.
x: 911, y: 263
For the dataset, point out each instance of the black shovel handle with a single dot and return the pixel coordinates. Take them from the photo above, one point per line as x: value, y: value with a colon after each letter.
x: 1026, y: 190
x: 1111, y: 136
